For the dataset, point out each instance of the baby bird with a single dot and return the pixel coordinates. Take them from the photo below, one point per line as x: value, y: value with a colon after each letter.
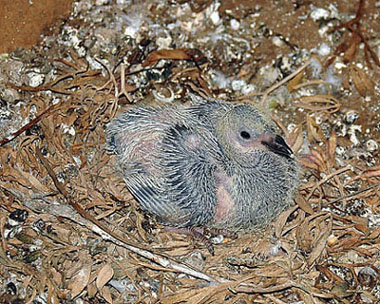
x: 211, y: 164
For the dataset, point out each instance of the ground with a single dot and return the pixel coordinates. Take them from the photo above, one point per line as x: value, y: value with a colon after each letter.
x: 71, y: 231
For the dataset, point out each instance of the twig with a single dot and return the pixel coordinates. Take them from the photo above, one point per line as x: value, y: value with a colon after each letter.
x: 346, y: 46
x: 111, y: 75
x: 123, y: 90
x: 311, y: 82
x: 351, y: 194
x: 325, y: 179
x: 28, y: 125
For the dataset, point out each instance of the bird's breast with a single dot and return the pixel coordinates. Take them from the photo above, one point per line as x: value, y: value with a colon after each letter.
x: 225, y: 208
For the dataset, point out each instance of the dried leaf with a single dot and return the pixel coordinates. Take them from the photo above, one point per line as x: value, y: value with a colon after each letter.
x: 105, y: 274
x: 352, y: 51
x: 92, y: 290
x: 362, y: 82
x: 29, y: 178
x: 300, y: 200
x: 342, y: 290
x: 321, y: 243
x: 304, y: 238
x: 331, y: 148
x: 80, y: 280
x: 319, y: 103
x: 375, y: 234
x: 106, y: 294
x: 281, y: 220
x: 295, y: 139
x: 295, y: 81
x: 314, y: 131
x: 176, y: 54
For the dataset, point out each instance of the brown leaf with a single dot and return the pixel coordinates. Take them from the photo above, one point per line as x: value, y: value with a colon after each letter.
x: 300, y: 200
x: 176, y: 54
x: 91, y: 290
x: 295, y: 81
x: 295, y: 139
x: 80, y: 280
x: 308, y: 164
x: 362, y: 82
x: 57, y: 276
x: 329, y: 274
x: 105, y: 274
x: 314, y: 131
x: 352, y: 51
x: 375, y: 234
x: 281, y: 220
x: 342, y: 290
x: 331, y: 148
x: 34, y: 182
x: 318, y: 103
x: 304, y: 238
x: 106, y: 294
x: 321, y: 243
x: 361, y: 224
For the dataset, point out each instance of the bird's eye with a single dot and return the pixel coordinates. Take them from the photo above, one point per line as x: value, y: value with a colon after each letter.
x: 245, y: 135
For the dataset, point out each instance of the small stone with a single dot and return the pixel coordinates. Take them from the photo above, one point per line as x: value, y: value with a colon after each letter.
x: 367, y: 277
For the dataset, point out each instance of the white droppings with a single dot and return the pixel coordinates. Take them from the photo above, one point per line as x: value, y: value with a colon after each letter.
x: 324, y: 49
x: 219, y: 79
x: 319, y: 13
x: 164, y: 43
x: 316, y: 68
x: 371, y: 145
x: 247, y: 89
x: 339, y: 65
x: 352, y: 130
x: 101, y: 2
x: 340, y: 150
x: 332, y: 78
x: 351, y: 116
x: 215, y: 18
x: 77, y: 161
x: 291, y: 127
x: 235, y: 25
x: 237, y: 85
x: 68, y: 130
x: 277, y: 41
x: 36, y: 79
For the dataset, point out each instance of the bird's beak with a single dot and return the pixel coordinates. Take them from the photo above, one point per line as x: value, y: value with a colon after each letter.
x: 277, y: 144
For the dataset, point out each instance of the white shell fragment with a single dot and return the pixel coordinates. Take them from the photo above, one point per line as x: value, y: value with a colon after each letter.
x: 371, y: 145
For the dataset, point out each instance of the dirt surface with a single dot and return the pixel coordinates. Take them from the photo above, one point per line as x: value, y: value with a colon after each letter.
x: 70, y: 230
x: 23, y: 22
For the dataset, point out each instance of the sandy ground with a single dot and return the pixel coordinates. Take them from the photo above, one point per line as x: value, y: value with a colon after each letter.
x: 24, y: 22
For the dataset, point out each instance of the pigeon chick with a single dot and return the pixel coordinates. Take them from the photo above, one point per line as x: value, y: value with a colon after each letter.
x: 211, y: 164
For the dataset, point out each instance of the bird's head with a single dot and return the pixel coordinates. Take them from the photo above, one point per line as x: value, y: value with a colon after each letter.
x: 246, y: 133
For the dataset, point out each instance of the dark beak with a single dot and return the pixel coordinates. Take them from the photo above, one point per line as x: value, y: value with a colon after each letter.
x: 277, y: 144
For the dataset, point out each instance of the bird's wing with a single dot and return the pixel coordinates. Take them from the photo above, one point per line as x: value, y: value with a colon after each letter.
x: 165, y: 159
x: 188, y: 172
x: 179, y: 187
x: 148, y: 192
